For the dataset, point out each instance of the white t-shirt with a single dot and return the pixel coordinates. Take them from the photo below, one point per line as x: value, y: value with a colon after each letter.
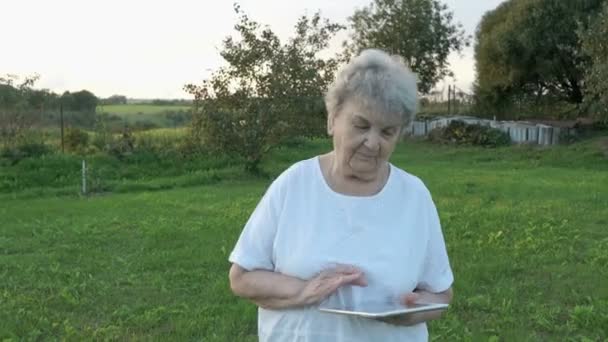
x: 301, y: 226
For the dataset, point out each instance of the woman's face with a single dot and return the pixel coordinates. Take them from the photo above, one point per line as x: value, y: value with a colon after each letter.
x: 363, y: 139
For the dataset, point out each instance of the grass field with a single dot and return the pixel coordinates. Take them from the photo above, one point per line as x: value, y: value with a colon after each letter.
x: 134, y: 109
x: 133, y: 113
x: 526, y: 230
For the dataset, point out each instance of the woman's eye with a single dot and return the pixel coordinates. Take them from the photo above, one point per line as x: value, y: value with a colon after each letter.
x: 388, y: 132
x: 361, y: 126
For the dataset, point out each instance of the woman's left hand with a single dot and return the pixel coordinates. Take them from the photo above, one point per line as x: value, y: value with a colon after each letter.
x: 420, y: 296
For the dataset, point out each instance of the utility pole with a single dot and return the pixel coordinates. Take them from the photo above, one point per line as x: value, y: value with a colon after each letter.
x: 449, y: 94
x: 455, y: 99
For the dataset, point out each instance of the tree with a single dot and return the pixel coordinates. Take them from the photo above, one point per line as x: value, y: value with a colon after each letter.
x: 421, y: 31
x: 596, y: 77
x: 114, y: 100
x: 16, y: 116
x: 84, y: 101
x: 531, y: 49
x: 81, y: 106
x: 268, y: 90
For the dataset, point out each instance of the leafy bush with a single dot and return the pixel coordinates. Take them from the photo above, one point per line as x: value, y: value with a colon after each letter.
x: 144, y: 125
x: 28, y: 150
x: 102, y: 139
x: 123, y: 146
x: 76, y: 140
x: 191, y: 148
x: 178, y: 118
x: 594, y: 45
x: 460, y: 133
x: 140, y: 168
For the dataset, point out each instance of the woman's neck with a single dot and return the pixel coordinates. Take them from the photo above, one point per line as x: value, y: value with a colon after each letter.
x: 343, y: 180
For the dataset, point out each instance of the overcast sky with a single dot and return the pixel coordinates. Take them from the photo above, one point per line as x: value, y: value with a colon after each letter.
x: 150, y: 49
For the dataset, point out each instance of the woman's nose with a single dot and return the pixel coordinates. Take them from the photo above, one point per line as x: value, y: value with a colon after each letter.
x: 372, y: 141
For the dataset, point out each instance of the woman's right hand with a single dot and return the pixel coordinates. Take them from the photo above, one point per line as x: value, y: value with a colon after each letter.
x: 328, y: 281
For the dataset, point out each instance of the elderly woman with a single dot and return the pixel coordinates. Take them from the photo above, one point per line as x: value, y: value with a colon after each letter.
x: 347, y: 223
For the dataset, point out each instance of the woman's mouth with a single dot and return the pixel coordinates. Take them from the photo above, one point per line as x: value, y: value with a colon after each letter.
x: 366, y: 156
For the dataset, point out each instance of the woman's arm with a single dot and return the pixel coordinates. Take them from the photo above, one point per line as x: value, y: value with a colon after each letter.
x: 422, y: 297
x: 271, y: 290
x: 267, y: 289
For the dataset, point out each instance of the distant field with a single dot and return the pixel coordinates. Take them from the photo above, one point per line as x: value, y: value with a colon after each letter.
x: 148, y: 113
x: 129, y: 109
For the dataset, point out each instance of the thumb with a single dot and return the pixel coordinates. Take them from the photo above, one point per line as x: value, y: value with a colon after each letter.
x: 346, y: 279
x: 410, y: 298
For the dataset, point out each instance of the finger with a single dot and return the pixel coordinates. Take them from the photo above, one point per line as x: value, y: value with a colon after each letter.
x: 331, y: 284
x: 348, y: 279
x: 354, y: 279
x: 410, y: 298
x: 328, y: 287
x: 390, y: 320
x: 360, y: 281
x: 346, y: 269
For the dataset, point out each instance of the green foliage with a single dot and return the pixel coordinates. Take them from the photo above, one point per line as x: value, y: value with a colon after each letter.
x: 153, y: 161
x: 529, y: 49
x: 83, y: 101
x: 174, y: 102
x: 22, y: 106
x: 179, y: 118
x: 269, y: 90
x: 102, y: 138
x: 79, y: 108
x: 420, y: 31
x: 460, y: 133
x: 596, y: 77
x: 114, y: 100
x: 434, y: 109
x: 16, y: 114
x: 76, y: 139
x: 123, y: 146
x: 17, y: 153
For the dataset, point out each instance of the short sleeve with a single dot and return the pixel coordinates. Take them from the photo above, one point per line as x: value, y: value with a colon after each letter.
x: 436, y: 275
x: 254, y: 248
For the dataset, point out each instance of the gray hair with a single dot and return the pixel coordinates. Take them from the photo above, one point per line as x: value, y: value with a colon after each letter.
x: 379, y: 82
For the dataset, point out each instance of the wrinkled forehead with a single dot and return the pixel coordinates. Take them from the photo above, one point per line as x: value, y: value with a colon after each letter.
x: 373, y: 112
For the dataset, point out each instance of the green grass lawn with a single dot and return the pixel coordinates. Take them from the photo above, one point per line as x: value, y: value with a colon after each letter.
x: 526, y: 230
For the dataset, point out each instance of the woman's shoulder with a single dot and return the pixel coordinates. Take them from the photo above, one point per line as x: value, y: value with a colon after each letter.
x: 409, y: 181
x: 302, y: 167
x: 300, y: 171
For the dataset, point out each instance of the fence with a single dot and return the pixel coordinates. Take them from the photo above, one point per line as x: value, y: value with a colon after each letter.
x: 521, y: 132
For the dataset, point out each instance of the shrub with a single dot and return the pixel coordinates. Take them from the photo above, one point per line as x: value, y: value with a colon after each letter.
x: 28, y: 150
x: 460, y: 133
x: 190, y: 148
x: 123, y: 146
x: 76, y: 140
x: 102, y: 139
x: 144, y: 125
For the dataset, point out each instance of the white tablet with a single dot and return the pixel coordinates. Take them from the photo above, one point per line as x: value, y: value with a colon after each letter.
x: 380, y: 310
